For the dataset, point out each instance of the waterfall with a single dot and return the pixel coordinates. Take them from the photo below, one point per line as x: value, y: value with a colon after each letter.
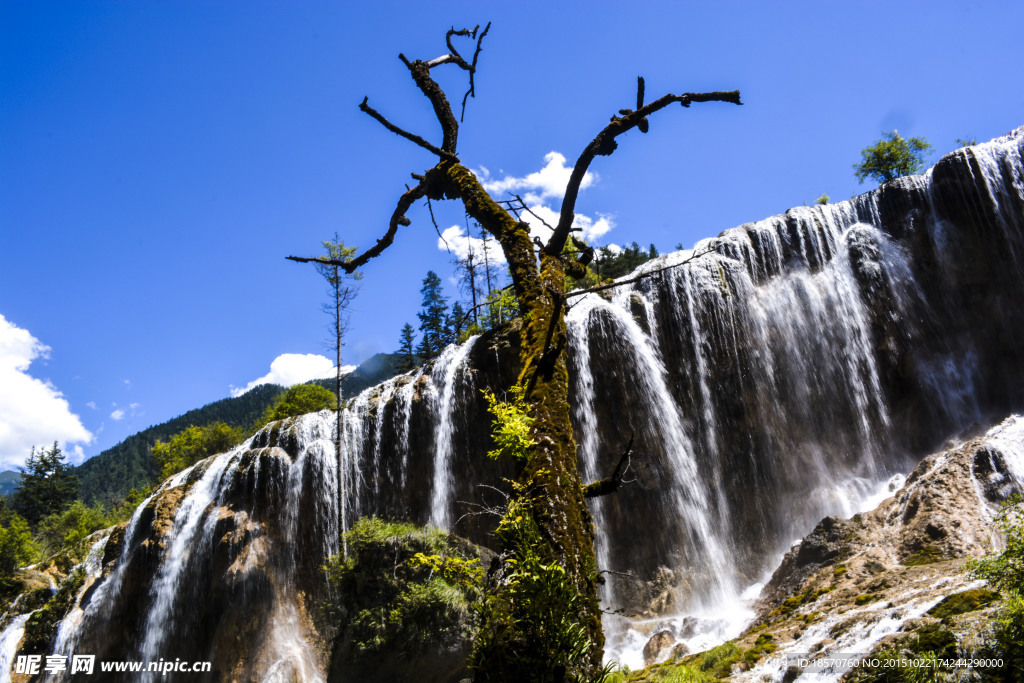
x: 9, y: 640
x: 789, y: 373
x: 451, y: 371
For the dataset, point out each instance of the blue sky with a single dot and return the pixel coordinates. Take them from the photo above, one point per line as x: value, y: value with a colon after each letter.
x: 159, y: 160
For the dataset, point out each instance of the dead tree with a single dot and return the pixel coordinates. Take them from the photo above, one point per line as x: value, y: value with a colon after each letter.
x: 548, y: 486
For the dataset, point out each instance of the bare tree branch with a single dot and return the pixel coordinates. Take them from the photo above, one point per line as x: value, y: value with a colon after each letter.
x: 397, y: 218
x: 430, y: 208
x: 610, y: 484
x: 523, y: 207
x: 405, y: 134
x: 472, y: 69
x: 604, y: 144
x: 442, y: 110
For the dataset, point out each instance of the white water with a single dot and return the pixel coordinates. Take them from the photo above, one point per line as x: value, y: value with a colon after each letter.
x: 751, y: 379
x: 783, y: 314
x: 452, y: 371
x: 9, y: 640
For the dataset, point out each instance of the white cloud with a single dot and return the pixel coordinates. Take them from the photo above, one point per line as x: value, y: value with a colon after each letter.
x: 117, y: 414
x: 294, y: 368
x: 547, y: 183
x: 91, y: 404
x: 33, y: 412
x: 540, y: 190
x: 460, y: 246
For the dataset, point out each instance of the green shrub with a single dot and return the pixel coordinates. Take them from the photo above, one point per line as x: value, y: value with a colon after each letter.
x: 511, y: 426
x: 299, y: 400
x: 535, y: 625
x: 404, y: 588
x: 195, y: 443
x: 1005, y: 573
x: 892, y: 157
x: 16, y: 545
x: 718, y: 661
x: 68, y: 529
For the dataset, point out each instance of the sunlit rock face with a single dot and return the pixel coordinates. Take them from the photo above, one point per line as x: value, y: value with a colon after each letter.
x: 778, y: 379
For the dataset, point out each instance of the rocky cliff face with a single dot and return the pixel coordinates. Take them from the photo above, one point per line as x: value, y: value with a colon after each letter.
x: 779, y: 379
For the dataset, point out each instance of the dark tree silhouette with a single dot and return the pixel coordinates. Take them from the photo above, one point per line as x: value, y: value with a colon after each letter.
x: 434, y: 319
x: 406, y: 353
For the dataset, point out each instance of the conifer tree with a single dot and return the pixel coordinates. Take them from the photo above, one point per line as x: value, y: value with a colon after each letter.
x: 457, y: 322
x: 434, y: 323
x: 406, y: 354
x: 47, y: 485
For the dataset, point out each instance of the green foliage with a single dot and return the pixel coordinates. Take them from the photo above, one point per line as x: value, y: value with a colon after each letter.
x: 435, y: 327
x: 403, y: 588
x: 108, y: 477
x: 718, y: 661
x: 41, y: 627
x: 47, y: 485
x: 823, y: 199
x: 69, y: 528
x: 662, y: 673
x: 790, y: 604
x: 1005, y: 573
x: 406, y: 354
x: 892, y: 157
x: 457, y: 321
x: 535, y: 624
x: 299, y: 400
x: 960, y: 603
x: 453, y: 569
x: 16, y: 545
x: 502, y: 306
x: 764, y: 644
x: 966, y: 142
x: 195, y: 443
x: 610, y: 264
x: 511, y: 426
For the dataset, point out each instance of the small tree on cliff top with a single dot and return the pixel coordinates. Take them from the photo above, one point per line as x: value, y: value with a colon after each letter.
x: 891, y: 157
x: 541, y: 619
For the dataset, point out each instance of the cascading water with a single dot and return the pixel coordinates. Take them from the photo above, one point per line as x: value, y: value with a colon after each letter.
x: 809, y: 357
x: 782, y: 377
x: 451, y: 367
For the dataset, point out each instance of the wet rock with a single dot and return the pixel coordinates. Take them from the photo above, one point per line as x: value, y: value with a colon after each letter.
x: 658, y: 647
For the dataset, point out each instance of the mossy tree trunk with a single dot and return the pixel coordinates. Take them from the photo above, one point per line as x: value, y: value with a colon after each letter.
x: 546, y: 534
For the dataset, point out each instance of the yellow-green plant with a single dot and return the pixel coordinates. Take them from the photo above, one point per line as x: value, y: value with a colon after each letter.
x: 512, y: 424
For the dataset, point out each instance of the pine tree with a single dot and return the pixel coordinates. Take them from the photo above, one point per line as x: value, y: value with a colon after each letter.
x: 406, y: 354
x: 47, y: 485
x: 457, y: 322
x: 434, y: 323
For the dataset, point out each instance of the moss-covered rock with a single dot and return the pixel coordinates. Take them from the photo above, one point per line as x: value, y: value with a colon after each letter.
x: 403, y: 602
x: 41, y: 627
x: 960, y: 603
